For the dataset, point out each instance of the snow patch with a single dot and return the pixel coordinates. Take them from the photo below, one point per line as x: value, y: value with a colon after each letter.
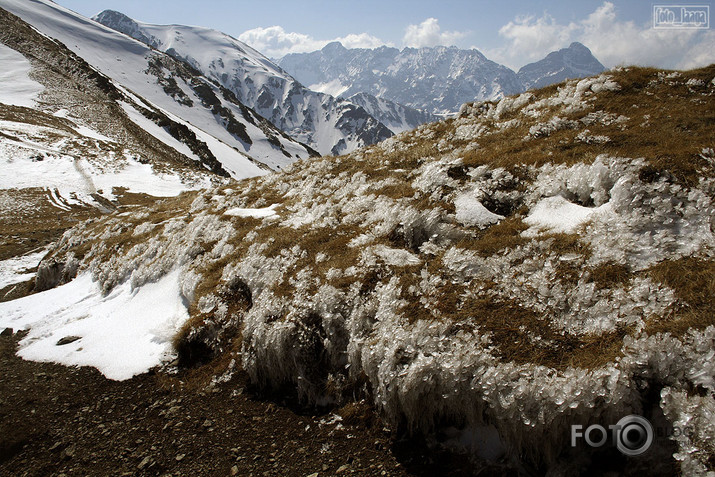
x: 16, y: 269
x: 16, y: 86
x: 122, y: 334
x: 557, y: 214
x: 333, y: 88
x: 255, y: 213
x: 394, y: 256
x: 472, y: 213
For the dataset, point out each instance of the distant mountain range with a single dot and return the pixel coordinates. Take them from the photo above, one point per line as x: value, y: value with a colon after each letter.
x: 438, y: 80
x: 353, y: 97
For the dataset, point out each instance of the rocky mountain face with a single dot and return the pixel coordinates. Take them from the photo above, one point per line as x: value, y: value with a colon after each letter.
x: 438, y: 80
x: 328, y: 124
x: 74, y: 145
x: 576, y: 61
x: 395, y: 116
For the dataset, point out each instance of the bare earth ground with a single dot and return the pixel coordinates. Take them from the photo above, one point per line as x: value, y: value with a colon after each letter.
x: 57, y: 420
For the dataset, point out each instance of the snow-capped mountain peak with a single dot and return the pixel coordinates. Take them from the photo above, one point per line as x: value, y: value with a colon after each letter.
x: 572, y: 62
x: 330, y: 125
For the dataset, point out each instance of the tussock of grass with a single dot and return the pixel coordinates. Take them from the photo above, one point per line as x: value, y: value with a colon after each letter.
x: 693, y: 281
x: 502, y: 236
x: 610, y: 275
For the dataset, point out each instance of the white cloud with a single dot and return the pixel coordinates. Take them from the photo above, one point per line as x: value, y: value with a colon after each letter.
x: 429, y: 33
x: 275, y: 42
x: 361, y: 40
x: 532, y: 38
x: 612, y: 41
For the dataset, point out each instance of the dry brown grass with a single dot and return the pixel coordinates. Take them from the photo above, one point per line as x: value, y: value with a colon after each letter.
x: 513, y: 329
x: 21, y: 114
x: 610, y: 275
x: 359, y: 413
x: 326, y: 240
x: 504, y: 235
x: 397, y: 191
x: 30, y: 221
x: 259, y: 193
x: 693, y: 281
x: 681, y: 122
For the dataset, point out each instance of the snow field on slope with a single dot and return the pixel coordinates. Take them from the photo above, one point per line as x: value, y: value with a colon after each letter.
x: 29, y: 163
x: 157, y: 131
x: 126, y: 60
x: 333, y: 88
x: 16, y: 86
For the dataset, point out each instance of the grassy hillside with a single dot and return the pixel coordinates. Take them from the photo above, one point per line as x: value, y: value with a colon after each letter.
x: 537, y: 262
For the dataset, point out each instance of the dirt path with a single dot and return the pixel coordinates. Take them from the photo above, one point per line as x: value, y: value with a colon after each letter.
x: 56, y: 420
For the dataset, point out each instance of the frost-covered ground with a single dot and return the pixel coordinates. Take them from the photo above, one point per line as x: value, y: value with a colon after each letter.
x: 499, y: 272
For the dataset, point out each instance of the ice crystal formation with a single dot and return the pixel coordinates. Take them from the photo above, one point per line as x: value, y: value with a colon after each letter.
x: 536, y: 262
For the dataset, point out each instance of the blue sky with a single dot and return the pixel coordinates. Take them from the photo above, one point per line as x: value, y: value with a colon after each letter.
x: 511, y: 32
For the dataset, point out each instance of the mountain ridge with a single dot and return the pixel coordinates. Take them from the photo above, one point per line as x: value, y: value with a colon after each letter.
x: 168, y: 92
x: 437, y: 79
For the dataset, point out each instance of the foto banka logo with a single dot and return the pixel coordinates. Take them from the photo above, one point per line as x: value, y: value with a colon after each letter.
x: 632, y: 435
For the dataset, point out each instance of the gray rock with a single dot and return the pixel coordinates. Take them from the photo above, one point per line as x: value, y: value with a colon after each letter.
x: 67, y: 340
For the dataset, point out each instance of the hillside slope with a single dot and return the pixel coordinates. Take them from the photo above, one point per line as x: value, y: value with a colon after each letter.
x: 330, y: 125
x: 537, y: 262
x: 58, y: 167
x: 169, y: 93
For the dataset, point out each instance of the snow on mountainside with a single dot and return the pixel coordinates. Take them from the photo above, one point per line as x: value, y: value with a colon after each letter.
x: 576, y: 61
x: 537, y: 262
x: 330, y: 125
x: 226, y: 135
x: 438, y: 80
x: 395, y: 116
x: 71, y: 146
